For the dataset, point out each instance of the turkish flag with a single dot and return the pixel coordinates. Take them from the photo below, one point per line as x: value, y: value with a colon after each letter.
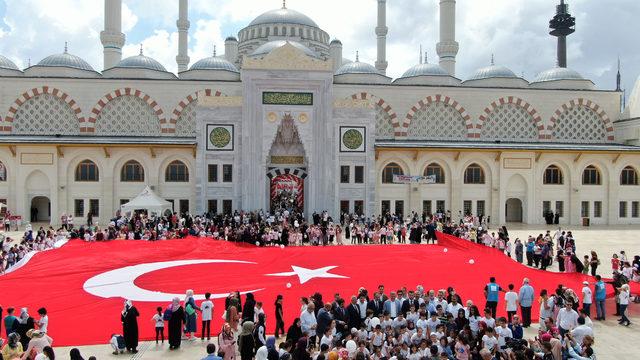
x: 83, y: 285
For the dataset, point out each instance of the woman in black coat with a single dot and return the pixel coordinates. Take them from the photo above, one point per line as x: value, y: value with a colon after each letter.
x: 246, y: 343
x: 129, y: 318
x: 248, y: 311
x: 175, y: 324
x: 295, y: 331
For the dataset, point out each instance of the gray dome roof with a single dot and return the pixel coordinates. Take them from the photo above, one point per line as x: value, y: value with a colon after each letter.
x: 5, y: 63
x: 425, y: 70
x: 272, y: 45
x: 283, y: 16
x: 214, y: 63
x: 493, y: 71
x: 141, y: 62
x: 357, y: 67
x: 558, y: 73
x: 66, y: 60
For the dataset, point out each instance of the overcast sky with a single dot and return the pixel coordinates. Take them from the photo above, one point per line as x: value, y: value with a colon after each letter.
x: 516, y: 31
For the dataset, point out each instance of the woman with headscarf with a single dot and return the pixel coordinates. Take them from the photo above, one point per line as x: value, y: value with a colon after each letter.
x: 301, y: 353
x: 24, y: 323
x: 227, y: 342
x: 260, y: 332
x: 295, y: 331
x: 129, y: 318
x: 175, y: 324
x: 248, y: 311
x: 13, y: 348
x: 190, y: 308
x: 273, y: 353
x: 37, y: 343
x: 245, y: 341
x: 74, y: 354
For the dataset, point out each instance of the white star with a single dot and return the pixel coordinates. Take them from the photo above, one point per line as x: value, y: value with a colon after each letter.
x: 305, y: 274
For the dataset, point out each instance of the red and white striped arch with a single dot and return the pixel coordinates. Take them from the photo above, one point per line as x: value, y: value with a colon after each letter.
x: 589, y: 104
x: 424, y: 103
x: 90, y: 125
x: 30, y: 94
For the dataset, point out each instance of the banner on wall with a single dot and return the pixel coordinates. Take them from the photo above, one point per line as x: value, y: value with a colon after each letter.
x: 287, y: 191
x: 416, y: 179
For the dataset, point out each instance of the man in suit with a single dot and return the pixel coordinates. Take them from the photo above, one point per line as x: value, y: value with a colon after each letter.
x: 340, y: 316
x: 383, y: 297
x: 411, y: 300
x: 393, y: 306
x: 324, y: 318
x: 376, y: 305
x: 353, y: 313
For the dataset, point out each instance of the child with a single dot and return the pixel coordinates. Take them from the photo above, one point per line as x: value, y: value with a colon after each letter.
x: 586, y: 262
x: 207, y: 314
x: 503, y: 333
x: 623, y: 258
x: 489, y: 341
x: 117, y: 343
x: 257, y: 311
x: 159, y: 322
x: 43, y: 322
x: 511, y: 298
x: 615, y: 263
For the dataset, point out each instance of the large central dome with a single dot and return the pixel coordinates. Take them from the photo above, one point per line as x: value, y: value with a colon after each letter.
x: 283, y: 16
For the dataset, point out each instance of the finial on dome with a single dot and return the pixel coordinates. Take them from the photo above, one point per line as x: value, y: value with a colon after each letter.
x: 357, y: 56
x: 141, y: 53
x: 214, y: 50
x: 493, y: 62
x: 66, y: 47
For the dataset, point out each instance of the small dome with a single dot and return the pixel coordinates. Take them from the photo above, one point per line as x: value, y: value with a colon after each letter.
x: 357, y: 67
x: 65, y: 60
x: 5, y: 63
x: 272, y: 45
x: 493, y: 71
x: 425, y: 70
x: 336, y: 41
x: 558, y: 73
x: 283, y: 16
x: 231, y: 38
x: 141, y: 62
x: 214, y: 63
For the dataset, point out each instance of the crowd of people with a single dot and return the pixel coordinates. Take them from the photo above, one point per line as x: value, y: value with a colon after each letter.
x: 401, y: 325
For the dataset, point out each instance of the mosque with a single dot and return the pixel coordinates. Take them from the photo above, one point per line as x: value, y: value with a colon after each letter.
x: 282, y: 120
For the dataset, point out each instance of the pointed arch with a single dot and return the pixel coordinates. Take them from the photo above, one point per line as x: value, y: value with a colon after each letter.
x: 170, y: 125
x: 608, y: 125
x: 386, y: 108
x: 518, y: 102
x: 446, y: 100
x: 30, y: 94
x: 90, y: 125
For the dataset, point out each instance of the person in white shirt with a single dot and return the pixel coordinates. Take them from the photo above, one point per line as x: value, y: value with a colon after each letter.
x: 309, y: 323
x: 207, y: 314
x: 454, y: 306
x: 488, y: 319
x: 43, y: 322
x: 158, y: 320
x: 433, y: 322
x: 257, y: 310
x: 567, y: 318
x: 489, y: 341
x: 503, y: 333
x: 511, y: 298
x: 587, y: 296
x: 581, y: 331
x: 623, y: 297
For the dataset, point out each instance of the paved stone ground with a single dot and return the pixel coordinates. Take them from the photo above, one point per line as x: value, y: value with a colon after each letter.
x: 612, y: 340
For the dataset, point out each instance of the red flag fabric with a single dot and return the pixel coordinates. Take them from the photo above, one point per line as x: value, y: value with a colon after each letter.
x: 83, y: 285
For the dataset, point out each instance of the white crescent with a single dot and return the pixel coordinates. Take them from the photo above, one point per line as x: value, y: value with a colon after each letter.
x: 120, y: 282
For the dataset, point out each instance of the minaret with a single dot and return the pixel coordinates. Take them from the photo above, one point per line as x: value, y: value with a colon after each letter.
x: 562, y: 25
x: 381, y: 32
x: 618, y: 78
x: 335, y: 50
x: 183, y: 36
x: 112, y: 37
x: 231, y: 50
x: 448, y: 47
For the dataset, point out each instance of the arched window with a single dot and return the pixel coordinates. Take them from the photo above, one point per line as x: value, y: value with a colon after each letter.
x: 177, y: 171
x: 436, y: 170
x: 553, y: 176
x: 390, y: 170
x: 474, y: 174
x: 268, y: 31
x: 87, y: 170
x: 3, y: 172
x: 628, y: 176
x: 132, y: 171
x: 591, y: 176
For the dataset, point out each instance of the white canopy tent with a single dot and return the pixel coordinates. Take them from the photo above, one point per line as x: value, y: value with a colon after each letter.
x: 149, y: 201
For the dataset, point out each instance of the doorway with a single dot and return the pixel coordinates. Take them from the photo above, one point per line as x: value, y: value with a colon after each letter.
x: 40, y: 209
x: 513, y: 210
